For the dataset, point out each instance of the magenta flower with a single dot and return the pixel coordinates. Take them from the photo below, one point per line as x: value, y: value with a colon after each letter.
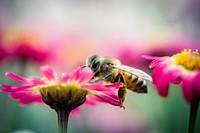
x: 25, y: 45
x: 62, y: 92
x: 172, y: 45
x: 182, y: 68
x: 54, y: 87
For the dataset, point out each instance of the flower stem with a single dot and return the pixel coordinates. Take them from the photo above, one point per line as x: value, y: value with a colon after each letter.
x: 193, y: 113
x: 63, y: 116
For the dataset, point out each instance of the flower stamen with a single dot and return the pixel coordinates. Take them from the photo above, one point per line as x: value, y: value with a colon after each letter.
x: 188, y: 59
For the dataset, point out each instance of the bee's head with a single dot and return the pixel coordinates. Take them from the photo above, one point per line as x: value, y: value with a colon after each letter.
x: 93, y: 62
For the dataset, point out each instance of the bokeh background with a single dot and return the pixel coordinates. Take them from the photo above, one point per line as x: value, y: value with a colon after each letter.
x: 63, y: 33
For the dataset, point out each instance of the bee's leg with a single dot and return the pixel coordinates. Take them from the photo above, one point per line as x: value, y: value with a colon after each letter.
x: 121, y: 90
x: 121, y: 95
x: 107, y: 76
x: 97, y: 73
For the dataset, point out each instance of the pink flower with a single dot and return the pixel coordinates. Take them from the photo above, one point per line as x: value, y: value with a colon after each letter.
x: 68, y: 90
x: 3, y: 54
x: 182, y: 68
x: 25, y: 44
x: 172, y: 45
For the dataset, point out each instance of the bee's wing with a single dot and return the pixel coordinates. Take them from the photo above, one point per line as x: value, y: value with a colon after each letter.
x: 134, y: 71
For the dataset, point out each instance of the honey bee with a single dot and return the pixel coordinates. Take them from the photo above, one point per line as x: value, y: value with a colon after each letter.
x: 111, y: 70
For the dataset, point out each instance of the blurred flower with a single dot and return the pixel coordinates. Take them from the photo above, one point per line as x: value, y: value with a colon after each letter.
x: 3, y: 52
x: 129, y: 53
x: 181, y: 68
x: 171, y: 45
x: 131, y: 56
x: 69, y: 51
x: 68, y: 90
x: 24, y: 44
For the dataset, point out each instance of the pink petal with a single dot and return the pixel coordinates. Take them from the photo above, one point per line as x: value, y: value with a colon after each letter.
x: 187, y: 88
x: 156, y: 60
x: 154, y: 63
x: 36, y: 81
x: 76, y: 112
x: 90, y: 100
x: 175, y: 75
x: 29, y: 100
x: 19, y: 94
x: 157, y: 73
x: 197, y: 82
x: 108, y: 99
x: 48, y: 72
x: 102, y: 87
x: 162, y: 85
x: 85, y: 75
x: 74, y: 74
x: 148, y: 57
x: 16, y: 77
x: 111, y: 94
x: 26, y: 97
x: 114, y: 86
x: 8, y: 88
x: 81, y: 75
x: 64, y: 78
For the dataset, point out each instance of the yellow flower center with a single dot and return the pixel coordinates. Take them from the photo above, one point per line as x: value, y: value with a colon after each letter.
x: 188, y: 59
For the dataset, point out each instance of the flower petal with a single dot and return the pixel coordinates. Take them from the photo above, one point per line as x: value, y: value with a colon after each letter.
x: 162, y: 84
x: 8, y: 88
x: 64, y: 78
x: 36, y: 81
x: 175, y: 75
x: 26, y: 97
x: 102, y: 86
x: 48, y: 72
x: 157, y: 73
x: 90, y: 100
x: 85, y: 75
x: 16, y: 77
x: 197, y: 82
x: 74, y: 74
x: 187, y: 88
x: 156, y: 60
x: 76, y: 112
x: 81, y: 75
x: 29, y: 100
x: 108, y: 99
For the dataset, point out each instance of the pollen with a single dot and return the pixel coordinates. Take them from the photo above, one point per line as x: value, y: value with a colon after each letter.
x: 188, y: 59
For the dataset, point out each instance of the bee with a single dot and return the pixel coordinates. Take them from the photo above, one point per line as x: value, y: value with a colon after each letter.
x: 111, y: 70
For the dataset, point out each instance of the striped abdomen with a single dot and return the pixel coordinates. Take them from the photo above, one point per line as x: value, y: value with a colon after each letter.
x: 133, y: 82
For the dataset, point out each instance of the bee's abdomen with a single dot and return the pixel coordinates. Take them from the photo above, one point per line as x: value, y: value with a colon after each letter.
x: 136, y: 84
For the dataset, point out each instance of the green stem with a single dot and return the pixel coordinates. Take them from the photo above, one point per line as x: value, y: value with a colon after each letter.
x: 193, y: 113
x: 63, y: 116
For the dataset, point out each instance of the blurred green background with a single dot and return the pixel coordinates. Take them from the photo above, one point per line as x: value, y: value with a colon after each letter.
x: 63, y: 33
